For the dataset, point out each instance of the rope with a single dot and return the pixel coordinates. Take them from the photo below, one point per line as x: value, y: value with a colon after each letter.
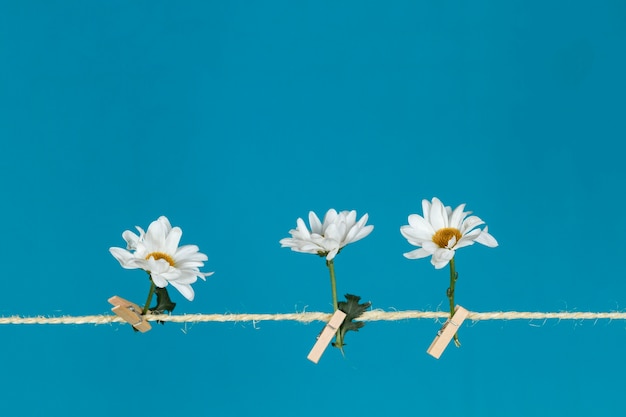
x: 375, y: 315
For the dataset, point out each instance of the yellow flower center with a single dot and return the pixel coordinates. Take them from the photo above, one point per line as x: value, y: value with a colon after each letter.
x: 161, y: 255
x: 443, y: 236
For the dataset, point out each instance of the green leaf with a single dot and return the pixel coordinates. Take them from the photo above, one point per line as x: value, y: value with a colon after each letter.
x: 163, y: 302
x: 353, y: 310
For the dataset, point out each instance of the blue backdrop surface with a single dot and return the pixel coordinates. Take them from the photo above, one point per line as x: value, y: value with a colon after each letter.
x: 234, y: 119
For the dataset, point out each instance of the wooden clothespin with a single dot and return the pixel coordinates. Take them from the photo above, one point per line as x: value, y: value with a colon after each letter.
x: 446, y: 333
x: 326, y: 336
x: 130, y: 312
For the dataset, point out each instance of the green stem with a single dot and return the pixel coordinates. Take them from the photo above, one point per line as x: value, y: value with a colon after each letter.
x: 453, y: 278
x: 333, y: 286
x: 333, y: 283
x: 146, y: 307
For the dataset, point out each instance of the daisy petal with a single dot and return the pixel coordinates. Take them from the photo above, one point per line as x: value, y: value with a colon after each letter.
x: 486, y: 239
x: 410, y: 233
x: 456, y: 218
x: 331, y: 255
x: 438, y: 216
x: 304, y: 232
x: 125, y: 258
x: 420, y: 224
x: 172, y: 239
x: 184, y: 289
x: 314, y: 221
x: 131, y: 240
x: 158, y: 280
x: 364, y: 232
x: 417, y: 254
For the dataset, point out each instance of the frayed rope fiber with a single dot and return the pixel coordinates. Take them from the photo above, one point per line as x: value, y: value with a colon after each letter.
x: 375, y: 315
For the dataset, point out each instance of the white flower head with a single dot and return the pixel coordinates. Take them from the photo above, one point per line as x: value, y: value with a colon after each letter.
x: 328, y: 237
x: 442, y: 231
x: 157, y: 252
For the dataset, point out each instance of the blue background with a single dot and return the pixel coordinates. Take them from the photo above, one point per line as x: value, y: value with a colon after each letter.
x: 235, y: 118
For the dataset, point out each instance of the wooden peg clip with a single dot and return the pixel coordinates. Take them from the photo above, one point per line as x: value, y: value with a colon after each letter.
x: 130, y: 312
x: 326, y: 336
x: 446, y: 333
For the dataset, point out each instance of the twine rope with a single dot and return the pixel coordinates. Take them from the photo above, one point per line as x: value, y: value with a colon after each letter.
x: 304, y: 317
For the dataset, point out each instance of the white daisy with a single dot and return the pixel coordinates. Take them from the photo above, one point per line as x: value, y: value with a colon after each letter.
x: 327, y: 238
x: 442, y: 231
x: 157, y: 252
